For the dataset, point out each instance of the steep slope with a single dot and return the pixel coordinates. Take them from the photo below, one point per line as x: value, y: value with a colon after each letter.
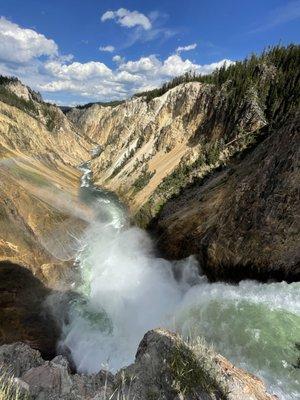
x: 242, y: 222
x: 142, y: 143
x: 39, y: 210
x: 153, y: 145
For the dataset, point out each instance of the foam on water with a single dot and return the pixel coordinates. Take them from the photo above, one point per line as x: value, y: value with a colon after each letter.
x: 125, y: 290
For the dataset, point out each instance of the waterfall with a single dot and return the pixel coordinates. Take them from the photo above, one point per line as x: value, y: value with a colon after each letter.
x: 126, y: 290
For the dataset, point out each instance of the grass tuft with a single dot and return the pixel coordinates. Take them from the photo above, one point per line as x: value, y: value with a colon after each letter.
x: 194, y: 369
x: 9, y: 390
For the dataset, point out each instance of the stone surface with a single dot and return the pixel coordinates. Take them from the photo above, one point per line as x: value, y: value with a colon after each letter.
x: 166, y: 368
x: 242, y: 222
x: 23, y: 312
x: 17, y: 358
x: 144, y: 142
x: 40, y: 214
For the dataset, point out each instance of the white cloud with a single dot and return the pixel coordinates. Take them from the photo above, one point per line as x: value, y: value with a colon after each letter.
x: 95, y: 81
x: 77, y: 70
x: 63, y: 78
x: 109, y: 49
x: 143, y: 65
x: 20, y: 45
x: 209, y: 68
x: 118, y: 59
x: 128, y: 18
x: 175, y: 65
x: 126, y: 77
x: 186, y: 48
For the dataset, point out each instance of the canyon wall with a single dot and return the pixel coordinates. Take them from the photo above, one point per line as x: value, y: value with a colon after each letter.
x: 148, y: 150
x: 40, y: 215
x: 211, y: 167
x: 242, y: 221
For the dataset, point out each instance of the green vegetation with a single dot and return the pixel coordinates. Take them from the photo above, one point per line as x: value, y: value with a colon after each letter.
x: 29, y: 106
x: 9, y: 390
x: 12, y: 99
x: 142, y: 181
x: 274, y: 74
x: 122, y: 164
x: 269, y: 83
x: 114, y: 103
x: 50, y: 115
x: 194, y: 369
x: 4, y: 80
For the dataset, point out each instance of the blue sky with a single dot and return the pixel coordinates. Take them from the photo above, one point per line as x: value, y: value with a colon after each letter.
x: 76, y: 51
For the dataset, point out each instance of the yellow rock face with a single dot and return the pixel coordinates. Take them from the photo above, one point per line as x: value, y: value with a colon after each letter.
x: 40, y: 215
x: 142, y: 143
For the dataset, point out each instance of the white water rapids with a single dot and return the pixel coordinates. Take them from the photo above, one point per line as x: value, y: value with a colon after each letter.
x: 126, y: 290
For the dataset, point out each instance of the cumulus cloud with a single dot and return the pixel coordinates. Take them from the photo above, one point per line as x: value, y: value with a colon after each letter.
x: 20, y: 45
x: 109, y: 49
x: 186, y: 48
x: 36, y: 60
x: 152, y: 68
x: 118, y: 59
x: 77, y: 70
x: 175, y: 65
x: 127, y: 18
x: 143, y: 65
x: 94, y: 80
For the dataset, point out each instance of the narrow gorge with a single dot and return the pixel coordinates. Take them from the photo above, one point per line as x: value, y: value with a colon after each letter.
x: 174, y: 211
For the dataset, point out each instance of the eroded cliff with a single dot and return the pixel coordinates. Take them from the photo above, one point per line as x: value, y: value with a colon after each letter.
x: 243, y: 221
x: 157, y: 152
x: 40, y: 213
x: 143, y: 144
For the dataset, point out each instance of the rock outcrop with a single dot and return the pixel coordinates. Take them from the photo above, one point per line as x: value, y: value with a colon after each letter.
x: 243, y: 221
x: 40, y: 214
x: 165, y: 368
x: 144, y: 143
x: 163, y: 154
x: 41, y: 217
x: 24, y: 316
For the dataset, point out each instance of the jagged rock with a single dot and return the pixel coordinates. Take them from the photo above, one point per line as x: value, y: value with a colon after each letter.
x: 165, y: 368
x: 40, y: 214
x: 50, y: 380
x: 23, y: 314
x: 144, y: 142
x: 18, y: 358
x: 22, y: 91
x: 242, y: 222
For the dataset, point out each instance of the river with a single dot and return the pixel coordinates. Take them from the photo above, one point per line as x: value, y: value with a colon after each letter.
x: 126, y: 290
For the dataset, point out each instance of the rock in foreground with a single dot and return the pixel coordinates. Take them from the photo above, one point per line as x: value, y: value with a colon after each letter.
x: 165, y: 368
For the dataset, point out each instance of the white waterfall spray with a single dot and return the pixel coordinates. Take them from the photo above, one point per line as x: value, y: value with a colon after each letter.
x: 125, y: 291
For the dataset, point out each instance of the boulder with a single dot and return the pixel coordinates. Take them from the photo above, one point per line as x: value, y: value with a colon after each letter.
x: 165, y: 368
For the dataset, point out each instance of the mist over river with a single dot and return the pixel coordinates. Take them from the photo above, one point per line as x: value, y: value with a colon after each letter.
x: 126, y: 290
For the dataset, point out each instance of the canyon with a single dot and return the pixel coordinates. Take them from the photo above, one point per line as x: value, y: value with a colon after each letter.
x: 208, y: 169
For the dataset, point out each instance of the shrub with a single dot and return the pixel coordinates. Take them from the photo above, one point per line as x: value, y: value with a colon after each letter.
x: 142, y: 181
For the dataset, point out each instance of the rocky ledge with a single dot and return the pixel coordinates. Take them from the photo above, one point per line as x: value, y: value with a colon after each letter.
x: 242, y: 222
x: 165, y: 368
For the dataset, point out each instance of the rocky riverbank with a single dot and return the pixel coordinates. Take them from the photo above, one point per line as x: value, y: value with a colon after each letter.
x: 165, y: 368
